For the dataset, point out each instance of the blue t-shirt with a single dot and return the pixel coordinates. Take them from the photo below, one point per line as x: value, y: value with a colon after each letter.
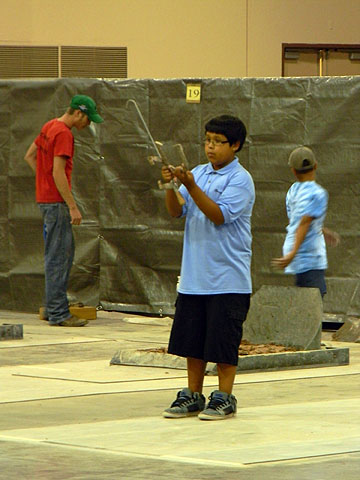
x: 306, y: 199
x: 217, y: 258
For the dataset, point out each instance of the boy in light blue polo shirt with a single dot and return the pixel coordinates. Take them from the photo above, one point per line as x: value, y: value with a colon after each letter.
x: 304, y: 249
x: 215, y: 281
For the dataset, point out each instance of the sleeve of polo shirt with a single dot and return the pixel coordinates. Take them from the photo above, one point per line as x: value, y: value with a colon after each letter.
x: 287, y: 204
x: 236, y: 197
x: 316, y: 204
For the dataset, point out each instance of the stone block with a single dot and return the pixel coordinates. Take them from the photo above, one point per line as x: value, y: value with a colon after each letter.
x: 290, y: 316
x: 151, y: 357
x: 157, y: 357
x: 11, y: 332
x: 349, y: 332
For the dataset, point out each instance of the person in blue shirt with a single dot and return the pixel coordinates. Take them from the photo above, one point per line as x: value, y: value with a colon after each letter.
x: 215, y: 279
x: 304, y: 249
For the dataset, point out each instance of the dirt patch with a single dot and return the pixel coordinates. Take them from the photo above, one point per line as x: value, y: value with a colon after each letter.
x: 154, y: 350
x: 246, y: 348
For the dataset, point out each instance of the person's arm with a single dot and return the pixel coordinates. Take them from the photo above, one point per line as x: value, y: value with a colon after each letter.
x: 209, y: 208
x: 300, y: 235
x: 172, y: 203
x: 62, y: 185
x: 30, y: 156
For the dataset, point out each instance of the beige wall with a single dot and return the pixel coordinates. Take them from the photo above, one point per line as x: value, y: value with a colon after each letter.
x: 184, y: 38
x: 273, y: 22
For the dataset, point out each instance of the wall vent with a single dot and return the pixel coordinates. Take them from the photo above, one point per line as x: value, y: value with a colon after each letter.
x: 94, y: 62
x: 29, y: 62
x: 63, y: 61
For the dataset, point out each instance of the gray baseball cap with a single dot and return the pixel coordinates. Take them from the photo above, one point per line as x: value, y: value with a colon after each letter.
x: 302, y: 159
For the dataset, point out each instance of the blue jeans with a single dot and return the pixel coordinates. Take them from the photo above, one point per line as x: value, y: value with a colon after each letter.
x: 59, y: 256
x: 312, y: 278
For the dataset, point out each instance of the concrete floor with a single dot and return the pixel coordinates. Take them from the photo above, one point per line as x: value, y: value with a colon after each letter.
x: 65, y: 413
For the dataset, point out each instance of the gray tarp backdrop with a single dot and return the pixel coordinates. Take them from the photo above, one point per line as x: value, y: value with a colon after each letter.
x: 128, y: 249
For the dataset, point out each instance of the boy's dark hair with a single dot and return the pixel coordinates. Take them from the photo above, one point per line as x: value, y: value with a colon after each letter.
x: 231, y: 127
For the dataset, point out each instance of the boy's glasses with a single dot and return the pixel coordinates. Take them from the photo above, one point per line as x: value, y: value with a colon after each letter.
x: 216, y: 143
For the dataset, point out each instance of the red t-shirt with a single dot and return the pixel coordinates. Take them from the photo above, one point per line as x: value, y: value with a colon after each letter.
x: 54, y: 140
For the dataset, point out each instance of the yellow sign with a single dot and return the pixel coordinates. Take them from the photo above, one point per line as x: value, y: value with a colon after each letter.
x: 193, y: 93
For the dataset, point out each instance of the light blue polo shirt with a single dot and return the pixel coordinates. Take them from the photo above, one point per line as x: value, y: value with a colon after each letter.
x: 217, y: 258
x: 306, y: 199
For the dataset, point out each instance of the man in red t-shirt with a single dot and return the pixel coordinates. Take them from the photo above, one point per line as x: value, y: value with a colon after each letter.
x: 51, y: 158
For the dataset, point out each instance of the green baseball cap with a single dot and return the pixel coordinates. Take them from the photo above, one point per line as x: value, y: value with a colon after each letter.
x: 86, y: 105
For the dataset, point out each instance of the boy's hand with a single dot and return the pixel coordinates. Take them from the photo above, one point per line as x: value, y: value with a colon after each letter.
x: 282, y: 262
x: 331, y: 238
x: 166, y: 172
x: 185, y: 176
x: 75, y: 215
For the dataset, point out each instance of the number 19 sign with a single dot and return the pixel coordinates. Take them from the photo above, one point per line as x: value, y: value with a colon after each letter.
x: 193, y: 93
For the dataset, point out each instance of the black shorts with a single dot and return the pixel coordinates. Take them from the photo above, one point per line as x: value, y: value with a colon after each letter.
x: 209, y: 327
x: 312, y: 278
